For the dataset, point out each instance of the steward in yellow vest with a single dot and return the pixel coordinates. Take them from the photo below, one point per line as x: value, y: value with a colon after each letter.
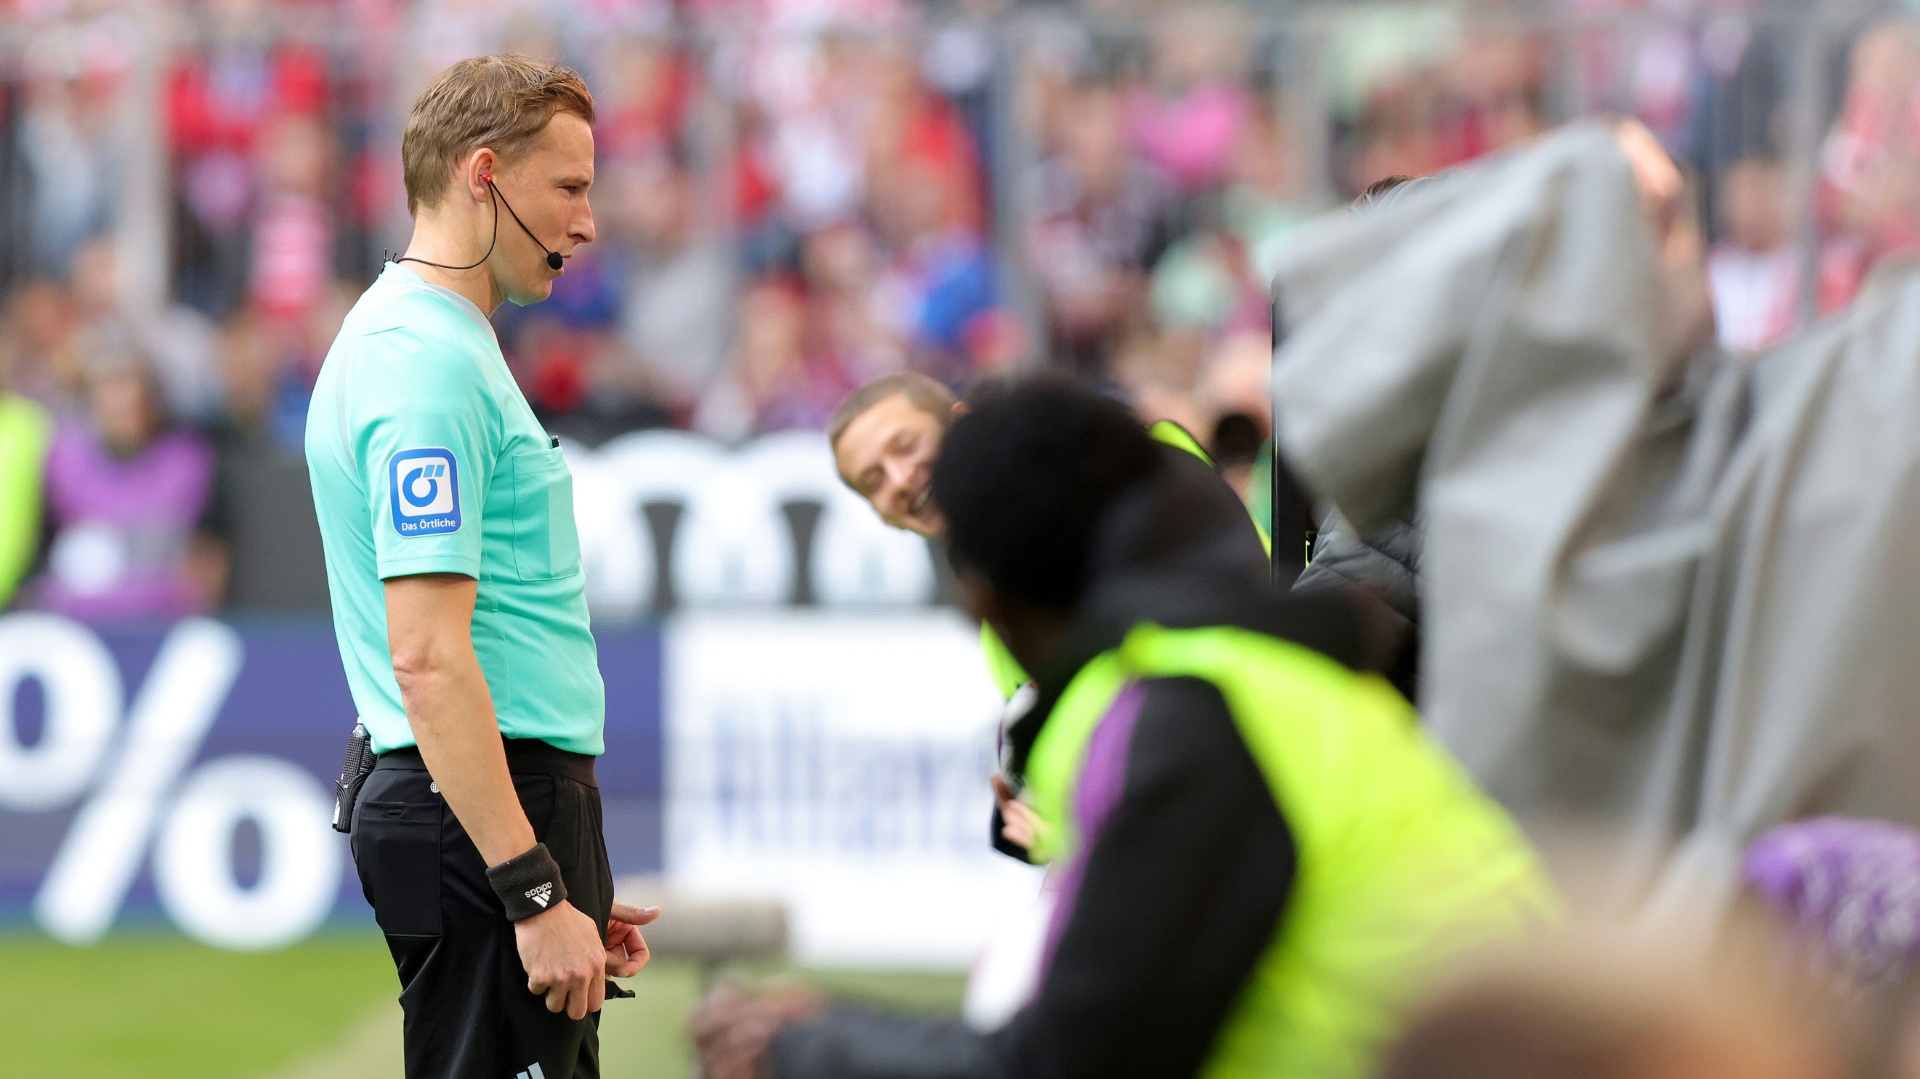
x: 1258, y: 858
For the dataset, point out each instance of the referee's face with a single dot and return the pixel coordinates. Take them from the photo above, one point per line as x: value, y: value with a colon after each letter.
x: 547, y: 186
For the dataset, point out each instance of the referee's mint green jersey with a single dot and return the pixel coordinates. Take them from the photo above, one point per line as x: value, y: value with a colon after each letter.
x: 425, y: 458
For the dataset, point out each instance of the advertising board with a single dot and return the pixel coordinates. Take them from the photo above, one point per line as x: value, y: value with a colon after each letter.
x: 836, y: 762
x: 839, y: 763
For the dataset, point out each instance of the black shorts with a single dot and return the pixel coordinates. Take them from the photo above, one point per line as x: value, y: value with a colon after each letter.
x: 462, y: 986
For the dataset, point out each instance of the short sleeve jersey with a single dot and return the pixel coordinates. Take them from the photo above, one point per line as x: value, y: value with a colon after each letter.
x: 425, y: 458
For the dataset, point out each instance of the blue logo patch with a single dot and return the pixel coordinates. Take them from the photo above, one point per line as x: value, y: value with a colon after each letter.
x: 424, y: 486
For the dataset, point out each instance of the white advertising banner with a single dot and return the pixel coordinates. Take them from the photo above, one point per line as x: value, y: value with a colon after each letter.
x: 839, y: 764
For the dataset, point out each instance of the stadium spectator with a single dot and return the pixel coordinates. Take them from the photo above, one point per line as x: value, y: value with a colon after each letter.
x: 1234, y: 380
x: 776, y: 379
x: 1496, y: 90
x: 570, y: 357
x: 43, y: 339
x: 265, y: 394
x: 811, y: 93
x: 129, y: 506
x: 925, y: 203
x: 1419, y: 93
x: 1158, y: 371
x: 1102, y: 223
x: 750, y: 190
x: 1753, y: 271
x: 291, y: 259
x: 644, y: 84
x: 1207, y: 283
x: 1265, y: 201
x: 1870, y: 163
x: 222, y: 101
x: 1187, y: 120
x: 582, y: 382
x: 74, y: 77
x: 940, y: 289
x: 182, y: 343
x: 674, y: 319
x: 914, y: 130
x: 1222, y: 761
x: 844, y: 267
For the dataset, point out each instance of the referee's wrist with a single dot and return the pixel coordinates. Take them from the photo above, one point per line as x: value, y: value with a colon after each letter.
x: 528, y: 884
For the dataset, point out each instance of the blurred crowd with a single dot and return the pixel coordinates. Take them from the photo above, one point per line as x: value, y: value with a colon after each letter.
x: 797, y: 196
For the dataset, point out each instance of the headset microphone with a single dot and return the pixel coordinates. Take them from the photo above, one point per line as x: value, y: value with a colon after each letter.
x: 553, y: 257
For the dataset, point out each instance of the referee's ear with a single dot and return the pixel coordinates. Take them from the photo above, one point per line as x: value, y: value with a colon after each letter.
x: 481, y: 164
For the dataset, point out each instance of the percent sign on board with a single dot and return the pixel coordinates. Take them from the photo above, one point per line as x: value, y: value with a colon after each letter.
x: 139, y: 794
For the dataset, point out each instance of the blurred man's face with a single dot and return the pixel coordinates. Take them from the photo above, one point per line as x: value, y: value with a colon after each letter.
x: 123, y: 410
x: 547, y: 186
x: 886, y: 455
x: 1753, y: 203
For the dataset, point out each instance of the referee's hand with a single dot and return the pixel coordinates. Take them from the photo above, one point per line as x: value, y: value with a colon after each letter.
x: 627, y: 950
x: 565, y: 959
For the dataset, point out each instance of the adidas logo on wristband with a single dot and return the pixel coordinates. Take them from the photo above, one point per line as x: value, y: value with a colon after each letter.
x: 528, y: 884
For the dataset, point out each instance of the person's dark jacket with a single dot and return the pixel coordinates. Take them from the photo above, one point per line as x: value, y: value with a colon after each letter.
x: 1204, y: 525
x: 1386, y: 563
x: 1186, y: 883
x: 1385, y: 566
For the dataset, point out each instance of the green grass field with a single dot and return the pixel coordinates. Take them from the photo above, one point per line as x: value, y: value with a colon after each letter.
x: 157, y: 1006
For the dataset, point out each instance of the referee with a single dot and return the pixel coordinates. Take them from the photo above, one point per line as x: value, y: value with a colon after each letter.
x: 454, y: 570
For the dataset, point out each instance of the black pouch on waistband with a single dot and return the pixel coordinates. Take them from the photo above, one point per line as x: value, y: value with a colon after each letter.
x: 353, y: 774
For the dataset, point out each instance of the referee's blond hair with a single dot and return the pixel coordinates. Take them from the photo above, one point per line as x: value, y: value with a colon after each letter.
x: 502, y: 102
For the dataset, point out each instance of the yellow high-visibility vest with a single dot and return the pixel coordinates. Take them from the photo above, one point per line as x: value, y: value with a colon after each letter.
x: 1401, y: 861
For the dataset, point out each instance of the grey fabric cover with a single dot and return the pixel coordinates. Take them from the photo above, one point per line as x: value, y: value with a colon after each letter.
x: 1668, y: 591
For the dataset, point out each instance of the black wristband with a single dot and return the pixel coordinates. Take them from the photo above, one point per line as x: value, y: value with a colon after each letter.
x: 529, y: 884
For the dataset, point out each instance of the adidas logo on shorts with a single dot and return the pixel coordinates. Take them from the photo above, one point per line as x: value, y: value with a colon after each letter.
x: 541, y: 895
x: 533, y: 1072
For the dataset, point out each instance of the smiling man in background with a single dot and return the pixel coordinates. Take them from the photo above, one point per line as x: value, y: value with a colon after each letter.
x: 885, y: 437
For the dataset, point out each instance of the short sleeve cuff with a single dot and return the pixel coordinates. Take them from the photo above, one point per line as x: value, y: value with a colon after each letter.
x: 448, y: 562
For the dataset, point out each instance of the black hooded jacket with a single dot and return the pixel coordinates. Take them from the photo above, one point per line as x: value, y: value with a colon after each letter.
x: 1186, y: 883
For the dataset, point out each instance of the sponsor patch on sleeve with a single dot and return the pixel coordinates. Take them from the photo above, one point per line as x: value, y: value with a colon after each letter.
x: 424, y: 486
